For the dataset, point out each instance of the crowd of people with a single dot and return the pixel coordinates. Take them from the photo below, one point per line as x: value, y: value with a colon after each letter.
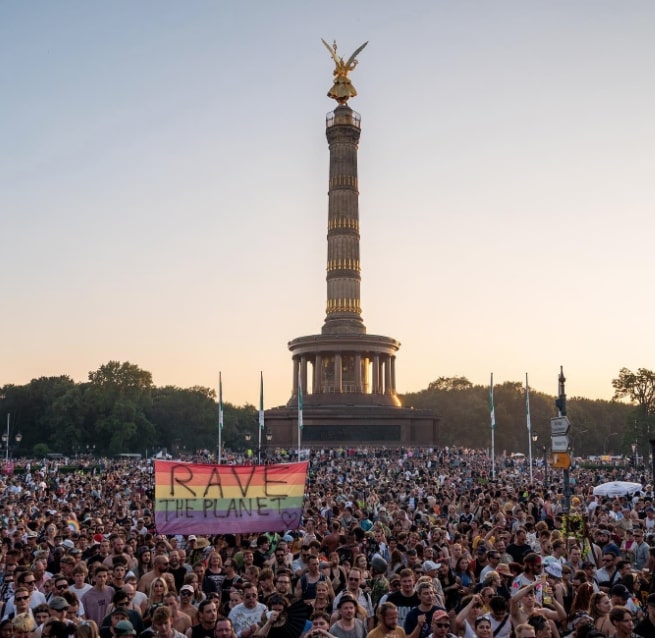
x: 399, y: 543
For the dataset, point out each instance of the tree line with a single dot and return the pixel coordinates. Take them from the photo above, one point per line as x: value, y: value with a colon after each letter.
x: 119, y: 409
x: 597, y: 426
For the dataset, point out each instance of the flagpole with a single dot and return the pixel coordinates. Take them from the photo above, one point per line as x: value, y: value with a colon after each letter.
x: 220, y: 418
x: 261, y: 417
x: 528, y: 423
x: 492, y: 413
x: 300, y: 424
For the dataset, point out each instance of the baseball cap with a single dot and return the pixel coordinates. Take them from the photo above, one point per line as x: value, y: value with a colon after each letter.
x: 192, y: 537
x: 58, y: 603
x: 554, y: 569
x: 620, y: 590
x: 439, y: 614
x: 124, y: 628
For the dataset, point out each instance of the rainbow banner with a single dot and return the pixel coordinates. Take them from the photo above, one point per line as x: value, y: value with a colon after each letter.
x: 191, y: 498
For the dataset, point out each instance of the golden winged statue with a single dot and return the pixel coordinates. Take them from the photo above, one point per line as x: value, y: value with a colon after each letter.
x: 342, y: 89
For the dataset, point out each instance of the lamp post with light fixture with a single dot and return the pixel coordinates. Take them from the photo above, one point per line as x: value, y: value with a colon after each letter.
x: 6, y: 438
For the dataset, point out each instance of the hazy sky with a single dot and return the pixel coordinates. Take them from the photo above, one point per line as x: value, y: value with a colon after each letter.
x: 164, y: 170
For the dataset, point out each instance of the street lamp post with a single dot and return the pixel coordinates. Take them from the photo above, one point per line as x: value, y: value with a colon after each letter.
x: 18, y: 437
x: 269, y: 438
x: 634, y: 456
x: 545, y: 467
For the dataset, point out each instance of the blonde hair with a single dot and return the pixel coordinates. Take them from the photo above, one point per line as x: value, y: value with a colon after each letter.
x: 86, y: 629
x: 151, y: 596
x: 23, y: 622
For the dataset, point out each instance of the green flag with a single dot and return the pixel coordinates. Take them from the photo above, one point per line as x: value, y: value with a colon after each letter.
x: 261, y: 401
x: 491, y: 403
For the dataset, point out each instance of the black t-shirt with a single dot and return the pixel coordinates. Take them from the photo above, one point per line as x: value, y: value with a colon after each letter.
x: 645, y: 628
x: 404, y: 603
x: 518, y: 552
x: 198, y: 631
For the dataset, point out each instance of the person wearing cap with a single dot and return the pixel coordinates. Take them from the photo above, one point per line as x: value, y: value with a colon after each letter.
x: 609, y: 544
x: 186, y: 603
x: 419, y: 619
x: 354, y: 590
x: 441, y: 625
x: 123, y: 628
x: 553, y: 574
x: 640, y: 549
x: 432, y: 571
x: 347, y: 624
x: 379, y: 582
x: 58, y: 608
x: 118, y: 614
x: 122, y: 602
x: 620, y: 595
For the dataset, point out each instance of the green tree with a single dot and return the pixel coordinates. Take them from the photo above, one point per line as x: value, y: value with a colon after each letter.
x: 117, y: 397
x: 450, y: 383
x: 639, y: 388
x: 184, y: 418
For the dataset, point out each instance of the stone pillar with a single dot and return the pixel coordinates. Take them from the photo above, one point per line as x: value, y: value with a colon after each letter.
x: 387, y: 375
x: 303, y: 373
x: 393, y: 375
x: 318, y: 367
x: 358, y: 373
x: 343, y: 307
x: 376, y: 375
x: 338, y: 374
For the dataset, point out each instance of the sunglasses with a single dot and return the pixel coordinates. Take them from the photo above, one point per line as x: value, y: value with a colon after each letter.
x: 19, y: 598
x: 442, y: 625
